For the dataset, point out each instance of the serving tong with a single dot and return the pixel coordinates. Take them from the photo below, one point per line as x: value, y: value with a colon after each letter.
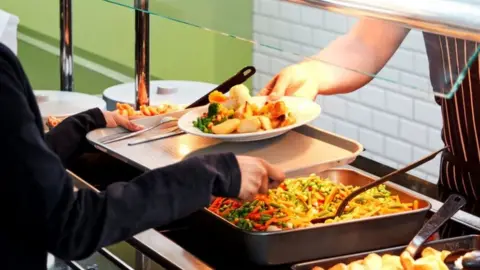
x: 240, y: 77
x: 351, y: 196
x: 449, y: 208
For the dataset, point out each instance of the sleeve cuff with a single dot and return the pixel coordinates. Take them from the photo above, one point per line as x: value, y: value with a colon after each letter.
x: 98, y: 117
x: 235, y: 175
x: 226, y: 172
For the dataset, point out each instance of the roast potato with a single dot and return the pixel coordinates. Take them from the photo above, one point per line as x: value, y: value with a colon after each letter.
x: 373, y: 262
x: 244, y: 111
x: 276, y: 122
x: 249, y: 125
x: 279, y: 108
x: 340, y: 266
x: 356, y: 266
x: 407, y: 261
x: 265, y: 121
x: 226, y: 127
x: 393, y: 261
x: 287, y: 121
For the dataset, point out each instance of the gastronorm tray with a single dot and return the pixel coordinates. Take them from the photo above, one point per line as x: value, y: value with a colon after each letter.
x: 303, y: 148
x: 451, y: 244
x: 321, y: 241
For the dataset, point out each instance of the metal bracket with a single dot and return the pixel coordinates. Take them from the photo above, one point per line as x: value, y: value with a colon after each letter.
x: 66, y: 47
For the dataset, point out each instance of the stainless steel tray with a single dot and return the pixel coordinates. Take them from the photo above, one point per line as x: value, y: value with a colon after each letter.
x: 322, y: 241
x: 305, y: 148
x: 451, y: 244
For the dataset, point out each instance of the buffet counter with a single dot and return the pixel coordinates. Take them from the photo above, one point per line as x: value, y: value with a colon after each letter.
x: 186, y: 245
x: 182, y: 246
x: 224, y: 257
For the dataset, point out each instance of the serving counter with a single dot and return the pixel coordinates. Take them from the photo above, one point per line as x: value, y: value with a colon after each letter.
x: 182, y: 245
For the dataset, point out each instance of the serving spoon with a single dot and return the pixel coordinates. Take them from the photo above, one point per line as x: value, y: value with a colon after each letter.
x: 380, y: 181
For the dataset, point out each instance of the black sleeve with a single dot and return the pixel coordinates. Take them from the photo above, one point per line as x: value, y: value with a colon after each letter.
x: 68, y: 139
x: 42, y: 204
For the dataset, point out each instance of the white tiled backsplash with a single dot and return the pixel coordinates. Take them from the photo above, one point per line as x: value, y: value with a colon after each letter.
x: 395, y: 123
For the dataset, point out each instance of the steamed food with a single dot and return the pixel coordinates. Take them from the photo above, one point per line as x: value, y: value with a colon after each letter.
x: 237, y: 114
x: 299, y: 200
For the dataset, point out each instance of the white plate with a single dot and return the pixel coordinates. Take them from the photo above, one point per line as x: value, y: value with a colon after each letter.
x: 303, y: 109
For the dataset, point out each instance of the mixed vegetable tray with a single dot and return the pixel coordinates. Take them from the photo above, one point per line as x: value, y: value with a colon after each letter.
x: 299, y: 200
x: 260, y: 230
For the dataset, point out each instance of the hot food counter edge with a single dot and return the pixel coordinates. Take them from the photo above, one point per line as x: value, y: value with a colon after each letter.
x: 170, y: 255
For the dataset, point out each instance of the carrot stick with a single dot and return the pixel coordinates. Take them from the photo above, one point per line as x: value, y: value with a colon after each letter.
x: 415, y: 204
x: 270, y: 221
x: 330, y: 196
x: 226, y: 212
x: 255, y: 210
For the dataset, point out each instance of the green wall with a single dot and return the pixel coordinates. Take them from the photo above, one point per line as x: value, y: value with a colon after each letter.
x: 178, y: 51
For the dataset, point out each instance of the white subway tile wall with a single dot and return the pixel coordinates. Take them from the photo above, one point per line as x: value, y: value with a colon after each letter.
x: 395, y: 121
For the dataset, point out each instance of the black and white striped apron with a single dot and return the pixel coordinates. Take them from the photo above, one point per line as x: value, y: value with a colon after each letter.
x: 460, y: 167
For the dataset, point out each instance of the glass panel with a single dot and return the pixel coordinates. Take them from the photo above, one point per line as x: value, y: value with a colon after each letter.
x: 282, y: 34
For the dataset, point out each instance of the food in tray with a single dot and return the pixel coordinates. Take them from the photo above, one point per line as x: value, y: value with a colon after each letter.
x: 130, y: 112
x: 299, y: 200
x: 237, y: 114
x: 430, y: 259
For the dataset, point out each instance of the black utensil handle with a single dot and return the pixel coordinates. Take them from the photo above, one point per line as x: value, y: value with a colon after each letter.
x: 449, y: 208
x: 239, y: 78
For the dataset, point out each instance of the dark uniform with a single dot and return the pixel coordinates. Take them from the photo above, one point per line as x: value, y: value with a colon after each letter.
x: 42, y: 213
x: 460, y: 167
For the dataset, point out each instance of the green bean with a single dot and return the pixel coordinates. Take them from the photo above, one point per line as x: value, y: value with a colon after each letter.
x: 265, y: 217
x: 276, y: 205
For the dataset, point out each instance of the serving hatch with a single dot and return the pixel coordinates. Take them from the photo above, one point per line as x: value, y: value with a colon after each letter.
x: 324, y: 240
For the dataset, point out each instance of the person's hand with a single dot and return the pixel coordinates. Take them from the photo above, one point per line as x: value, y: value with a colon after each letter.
x: 256, y: 174
x: 116, y: 120
x: 301, y: 80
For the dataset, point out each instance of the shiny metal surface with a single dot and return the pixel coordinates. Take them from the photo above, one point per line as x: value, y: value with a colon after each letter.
x: 376, y: 183
x: 267, y: 248
x: 75, y: 266
x: 156, y: 246
x: 456, y: 18
x: 142, y: 54
x: 315, y: 149
x: 114, y: 259
x: 165, y: 120
x: 66, y: 47
x: 461, y: 216
x: 167, y: 134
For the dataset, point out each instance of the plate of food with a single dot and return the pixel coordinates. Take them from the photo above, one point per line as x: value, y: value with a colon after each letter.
x: 239, y: 117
